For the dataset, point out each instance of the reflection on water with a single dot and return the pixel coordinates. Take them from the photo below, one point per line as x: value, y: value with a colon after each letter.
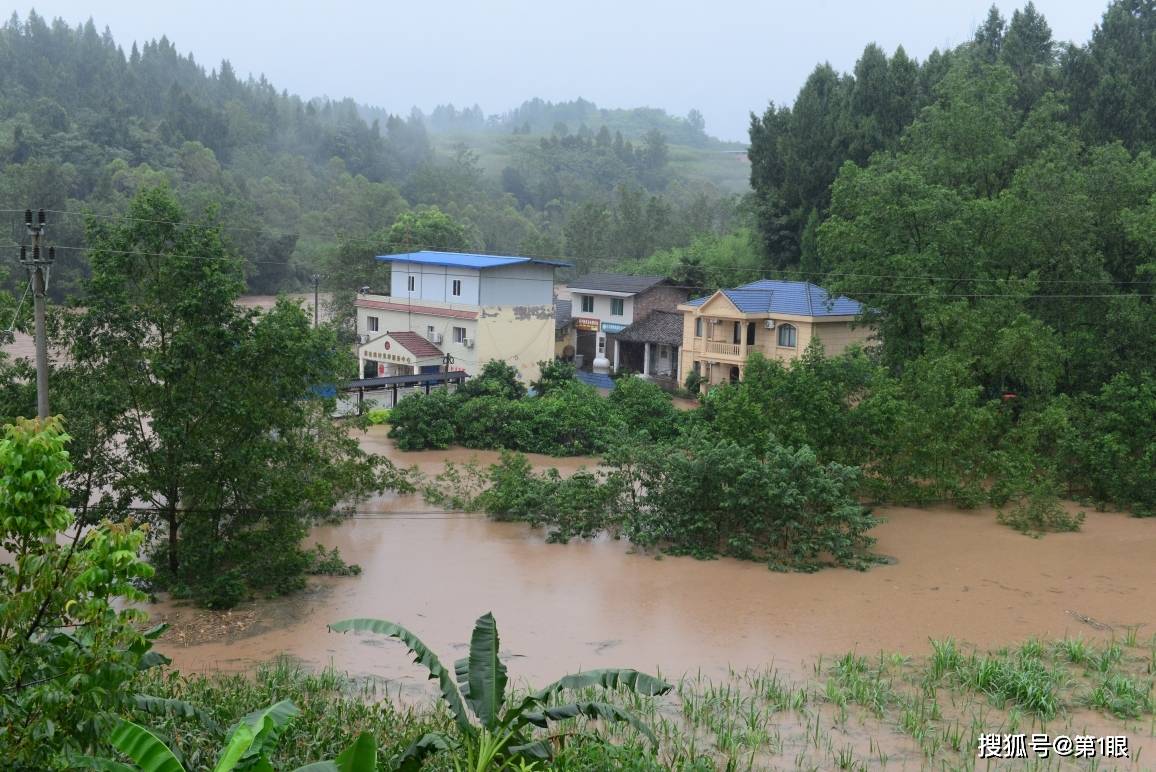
x: 596, y: 604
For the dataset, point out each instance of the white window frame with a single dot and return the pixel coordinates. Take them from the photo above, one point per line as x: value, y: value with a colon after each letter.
x: 456, y: 288
x: 459, y: 335
x: 618, y: 303
x: 372, y: 323
x: 794, y: 336
x: 412, y: 283
x: 698, y: 327
x: 586, y: 298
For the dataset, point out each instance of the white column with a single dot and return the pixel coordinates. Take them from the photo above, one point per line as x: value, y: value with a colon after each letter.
x: 616, y: 355
x: 646, y: 359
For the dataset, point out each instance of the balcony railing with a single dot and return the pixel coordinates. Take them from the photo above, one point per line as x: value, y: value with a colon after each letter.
x: 725, y: 349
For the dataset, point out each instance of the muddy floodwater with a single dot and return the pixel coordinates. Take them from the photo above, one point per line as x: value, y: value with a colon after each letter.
x: 598, y: 604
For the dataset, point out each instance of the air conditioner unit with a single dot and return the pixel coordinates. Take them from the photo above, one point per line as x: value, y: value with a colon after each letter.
x: 769, y: 324
x: 436, y: 338
x: 468, y: 342
x: 363, y: 339
x: 716, y: 321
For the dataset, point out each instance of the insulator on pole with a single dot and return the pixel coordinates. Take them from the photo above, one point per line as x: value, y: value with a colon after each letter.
x: 40, y: 216
x: 28, y: 217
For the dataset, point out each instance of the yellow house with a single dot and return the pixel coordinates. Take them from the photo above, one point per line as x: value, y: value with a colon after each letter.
x: 778, y: 319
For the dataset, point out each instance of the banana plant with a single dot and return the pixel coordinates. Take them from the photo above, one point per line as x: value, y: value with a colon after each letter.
x: 498, y: 735
x: 247, y: 747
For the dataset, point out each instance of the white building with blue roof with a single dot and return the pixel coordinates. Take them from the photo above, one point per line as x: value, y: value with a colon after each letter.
x: 469, y: 307
x: 773, y: 317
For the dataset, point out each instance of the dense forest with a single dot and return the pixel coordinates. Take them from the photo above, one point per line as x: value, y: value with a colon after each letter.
x: 298, y: 184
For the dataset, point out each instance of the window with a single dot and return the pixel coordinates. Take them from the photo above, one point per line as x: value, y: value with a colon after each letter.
x: 697, y: 367
x: 429, y: 332
x: 616, y: 307
x: 371, y: 323
x: 459, y: 335
x: 587, y: 304
x: 737, y: 337
x: 750, y: 333
x: 787, y: 335
x: 412, y: 283
x: 456, y: 289
x: 698, y: 328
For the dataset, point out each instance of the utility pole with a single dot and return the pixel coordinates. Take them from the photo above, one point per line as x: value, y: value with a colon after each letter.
x: 449, y: 360
x: 316, y: 282
x: 37, y: 264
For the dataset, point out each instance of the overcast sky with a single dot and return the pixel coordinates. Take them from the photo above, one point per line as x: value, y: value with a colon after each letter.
x: 725, y: 57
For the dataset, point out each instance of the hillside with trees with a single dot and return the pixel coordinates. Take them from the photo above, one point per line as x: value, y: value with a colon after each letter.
x: 295, y: 183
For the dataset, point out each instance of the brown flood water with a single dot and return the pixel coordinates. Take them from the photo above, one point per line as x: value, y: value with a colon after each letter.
x: 596, y: 604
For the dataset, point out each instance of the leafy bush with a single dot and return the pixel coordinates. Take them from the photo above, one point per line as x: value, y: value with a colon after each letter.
x: 496, y: 379
x: 1039, y: 511
x: 704, y: 496
x: 1115, y: 446
x: 324, y: 562
x: 378, y: 416
x: 554, y: 375
x: 644, y: 407
x: 69, y: 632
x: 582, y: 505
x: 424, y: 421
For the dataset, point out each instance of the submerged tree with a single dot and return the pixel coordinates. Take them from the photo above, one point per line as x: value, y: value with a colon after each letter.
x: 214, y: 412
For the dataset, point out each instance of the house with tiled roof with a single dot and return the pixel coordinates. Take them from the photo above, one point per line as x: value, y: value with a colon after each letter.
x: 604, y: 305
x: 458, y: 310
x: 776, y: 318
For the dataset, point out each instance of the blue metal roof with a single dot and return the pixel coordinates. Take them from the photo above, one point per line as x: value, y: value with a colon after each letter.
x: 776, y: 296
x: 467, y: 260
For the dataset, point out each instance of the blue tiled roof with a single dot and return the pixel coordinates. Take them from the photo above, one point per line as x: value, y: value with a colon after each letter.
x: 467, y: 260
x: 776, y: 296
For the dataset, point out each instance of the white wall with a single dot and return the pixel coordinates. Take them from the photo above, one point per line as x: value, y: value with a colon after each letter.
x: 525, y: 284
x: 434, y: 283
x: 601, y: 308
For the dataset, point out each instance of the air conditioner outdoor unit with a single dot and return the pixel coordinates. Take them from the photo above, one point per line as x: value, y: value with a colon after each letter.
x: 715, y: 321
x: 769, y: 324
x: 469, y: 342
x: 364, y: 338
x: 436, y: 338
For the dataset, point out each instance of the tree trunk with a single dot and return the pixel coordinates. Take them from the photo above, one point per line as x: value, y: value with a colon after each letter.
x: 174, y: 558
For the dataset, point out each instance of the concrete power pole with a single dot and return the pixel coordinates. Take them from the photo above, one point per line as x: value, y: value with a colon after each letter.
x: 316, y: 282
x: 38, y: 264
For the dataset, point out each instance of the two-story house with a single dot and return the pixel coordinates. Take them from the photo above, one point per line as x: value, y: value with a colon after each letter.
x: 470, y: 308
x: 778, y: 319
x: 603, y: 305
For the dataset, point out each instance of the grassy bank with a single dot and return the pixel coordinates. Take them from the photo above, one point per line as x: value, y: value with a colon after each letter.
x: 854, y: 712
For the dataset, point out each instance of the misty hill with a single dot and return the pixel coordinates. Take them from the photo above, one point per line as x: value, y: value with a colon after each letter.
x: 84, y: 124
x: 578, y: 116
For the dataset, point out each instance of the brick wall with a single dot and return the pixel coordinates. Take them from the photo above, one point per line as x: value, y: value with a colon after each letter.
x: 659, y: 298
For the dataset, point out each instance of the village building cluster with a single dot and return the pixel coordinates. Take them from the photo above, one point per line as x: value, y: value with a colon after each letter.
x: 448, y: 312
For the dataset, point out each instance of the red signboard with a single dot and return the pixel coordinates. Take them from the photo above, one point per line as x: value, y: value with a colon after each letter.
x: 587, y: 325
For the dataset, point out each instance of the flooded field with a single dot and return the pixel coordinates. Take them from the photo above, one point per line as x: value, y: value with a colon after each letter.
x: 597, y: 604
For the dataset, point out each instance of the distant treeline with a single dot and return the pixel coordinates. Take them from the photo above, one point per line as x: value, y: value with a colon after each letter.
x: 577, y: 116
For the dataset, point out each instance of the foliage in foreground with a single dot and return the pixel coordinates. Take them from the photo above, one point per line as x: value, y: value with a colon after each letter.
x: 500, y: 731
x: 67, y: 645
x: 934, y: 707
